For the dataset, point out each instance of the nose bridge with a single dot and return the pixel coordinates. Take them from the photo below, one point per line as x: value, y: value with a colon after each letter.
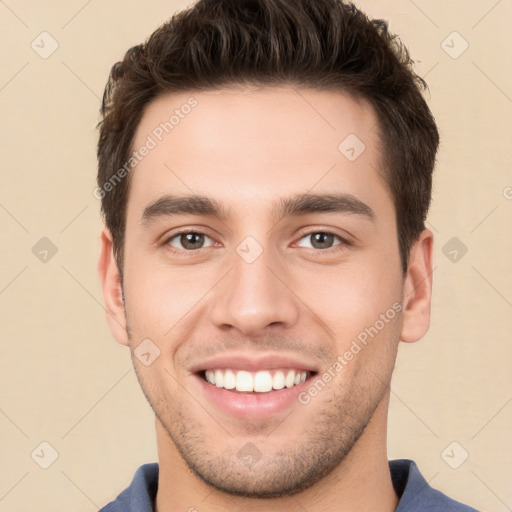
x: 252, y: 297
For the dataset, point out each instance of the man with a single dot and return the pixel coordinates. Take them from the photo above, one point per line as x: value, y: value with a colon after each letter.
x: 265, y: 171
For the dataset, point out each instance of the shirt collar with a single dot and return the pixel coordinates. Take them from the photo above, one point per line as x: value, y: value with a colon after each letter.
x: 409, y: 484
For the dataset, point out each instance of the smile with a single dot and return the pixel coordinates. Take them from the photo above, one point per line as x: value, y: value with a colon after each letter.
x: 262, y: 381
x: 253, y: 386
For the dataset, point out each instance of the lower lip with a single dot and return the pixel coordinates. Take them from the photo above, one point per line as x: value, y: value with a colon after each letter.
x: 252, y: 405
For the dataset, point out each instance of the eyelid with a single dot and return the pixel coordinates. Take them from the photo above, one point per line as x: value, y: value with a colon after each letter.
x: 346, y: 239
x: 342, y: 245
x: 186, y: 230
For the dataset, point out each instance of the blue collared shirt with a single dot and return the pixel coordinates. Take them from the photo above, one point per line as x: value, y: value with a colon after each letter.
x: 415, y: 493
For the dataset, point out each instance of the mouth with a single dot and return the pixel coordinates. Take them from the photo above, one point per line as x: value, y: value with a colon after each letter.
x: 262, y: 381
x: 253, y: 395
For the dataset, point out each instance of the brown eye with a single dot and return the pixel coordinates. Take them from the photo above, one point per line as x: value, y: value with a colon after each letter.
x: 320, y: 240
x: 189, y: 241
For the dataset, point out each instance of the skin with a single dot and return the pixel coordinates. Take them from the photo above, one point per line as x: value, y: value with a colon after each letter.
x: 247, y: 148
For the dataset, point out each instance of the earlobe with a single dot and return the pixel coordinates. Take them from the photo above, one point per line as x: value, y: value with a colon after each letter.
x: 417, y: 291
x: 112, y: 291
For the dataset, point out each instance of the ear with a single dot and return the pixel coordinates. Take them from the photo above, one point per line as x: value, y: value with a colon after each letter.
x: 417, y: 291
x: 112, y: 291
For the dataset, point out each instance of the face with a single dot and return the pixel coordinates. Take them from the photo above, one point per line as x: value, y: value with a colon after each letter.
x: 262, y: 269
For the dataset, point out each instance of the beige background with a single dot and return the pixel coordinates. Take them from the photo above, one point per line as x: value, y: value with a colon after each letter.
x: 66, y: 382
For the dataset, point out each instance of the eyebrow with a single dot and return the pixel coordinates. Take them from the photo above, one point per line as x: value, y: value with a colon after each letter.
x: 294, y: 206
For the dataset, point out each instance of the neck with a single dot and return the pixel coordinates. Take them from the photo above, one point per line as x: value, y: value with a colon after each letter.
x: 361, y: 482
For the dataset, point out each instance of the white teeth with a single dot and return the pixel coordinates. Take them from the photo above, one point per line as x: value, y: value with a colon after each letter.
x: 244, y: 381
x: 229, y: 380
x: 278, y: 380
x: 290, y: 376
x: 262, y: 381
x: 219, y: 379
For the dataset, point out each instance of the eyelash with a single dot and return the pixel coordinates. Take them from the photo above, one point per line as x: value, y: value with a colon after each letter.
x: 343, y: 242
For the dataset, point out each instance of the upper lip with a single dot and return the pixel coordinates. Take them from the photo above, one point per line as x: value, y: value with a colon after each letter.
x: 253, y: 362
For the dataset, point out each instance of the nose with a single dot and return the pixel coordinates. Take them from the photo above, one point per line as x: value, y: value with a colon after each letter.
x: 254, y: 296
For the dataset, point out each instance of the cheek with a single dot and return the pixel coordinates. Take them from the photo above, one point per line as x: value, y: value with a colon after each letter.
x: 350, y: 298
x: 158, y: 297
x: 360, y: 306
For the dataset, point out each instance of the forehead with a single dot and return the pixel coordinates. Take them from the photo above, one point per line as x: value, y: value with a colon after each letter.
x: 247, y: 147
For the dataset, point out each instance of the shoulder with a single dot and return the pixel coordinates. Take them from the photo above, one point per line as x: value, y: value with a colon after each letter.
x: 416, y: 493
x: 139, y: 496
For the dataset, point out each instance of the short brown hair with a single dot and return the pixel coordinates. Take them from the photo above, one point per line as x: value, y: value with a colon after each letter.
x: 319, y: 44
